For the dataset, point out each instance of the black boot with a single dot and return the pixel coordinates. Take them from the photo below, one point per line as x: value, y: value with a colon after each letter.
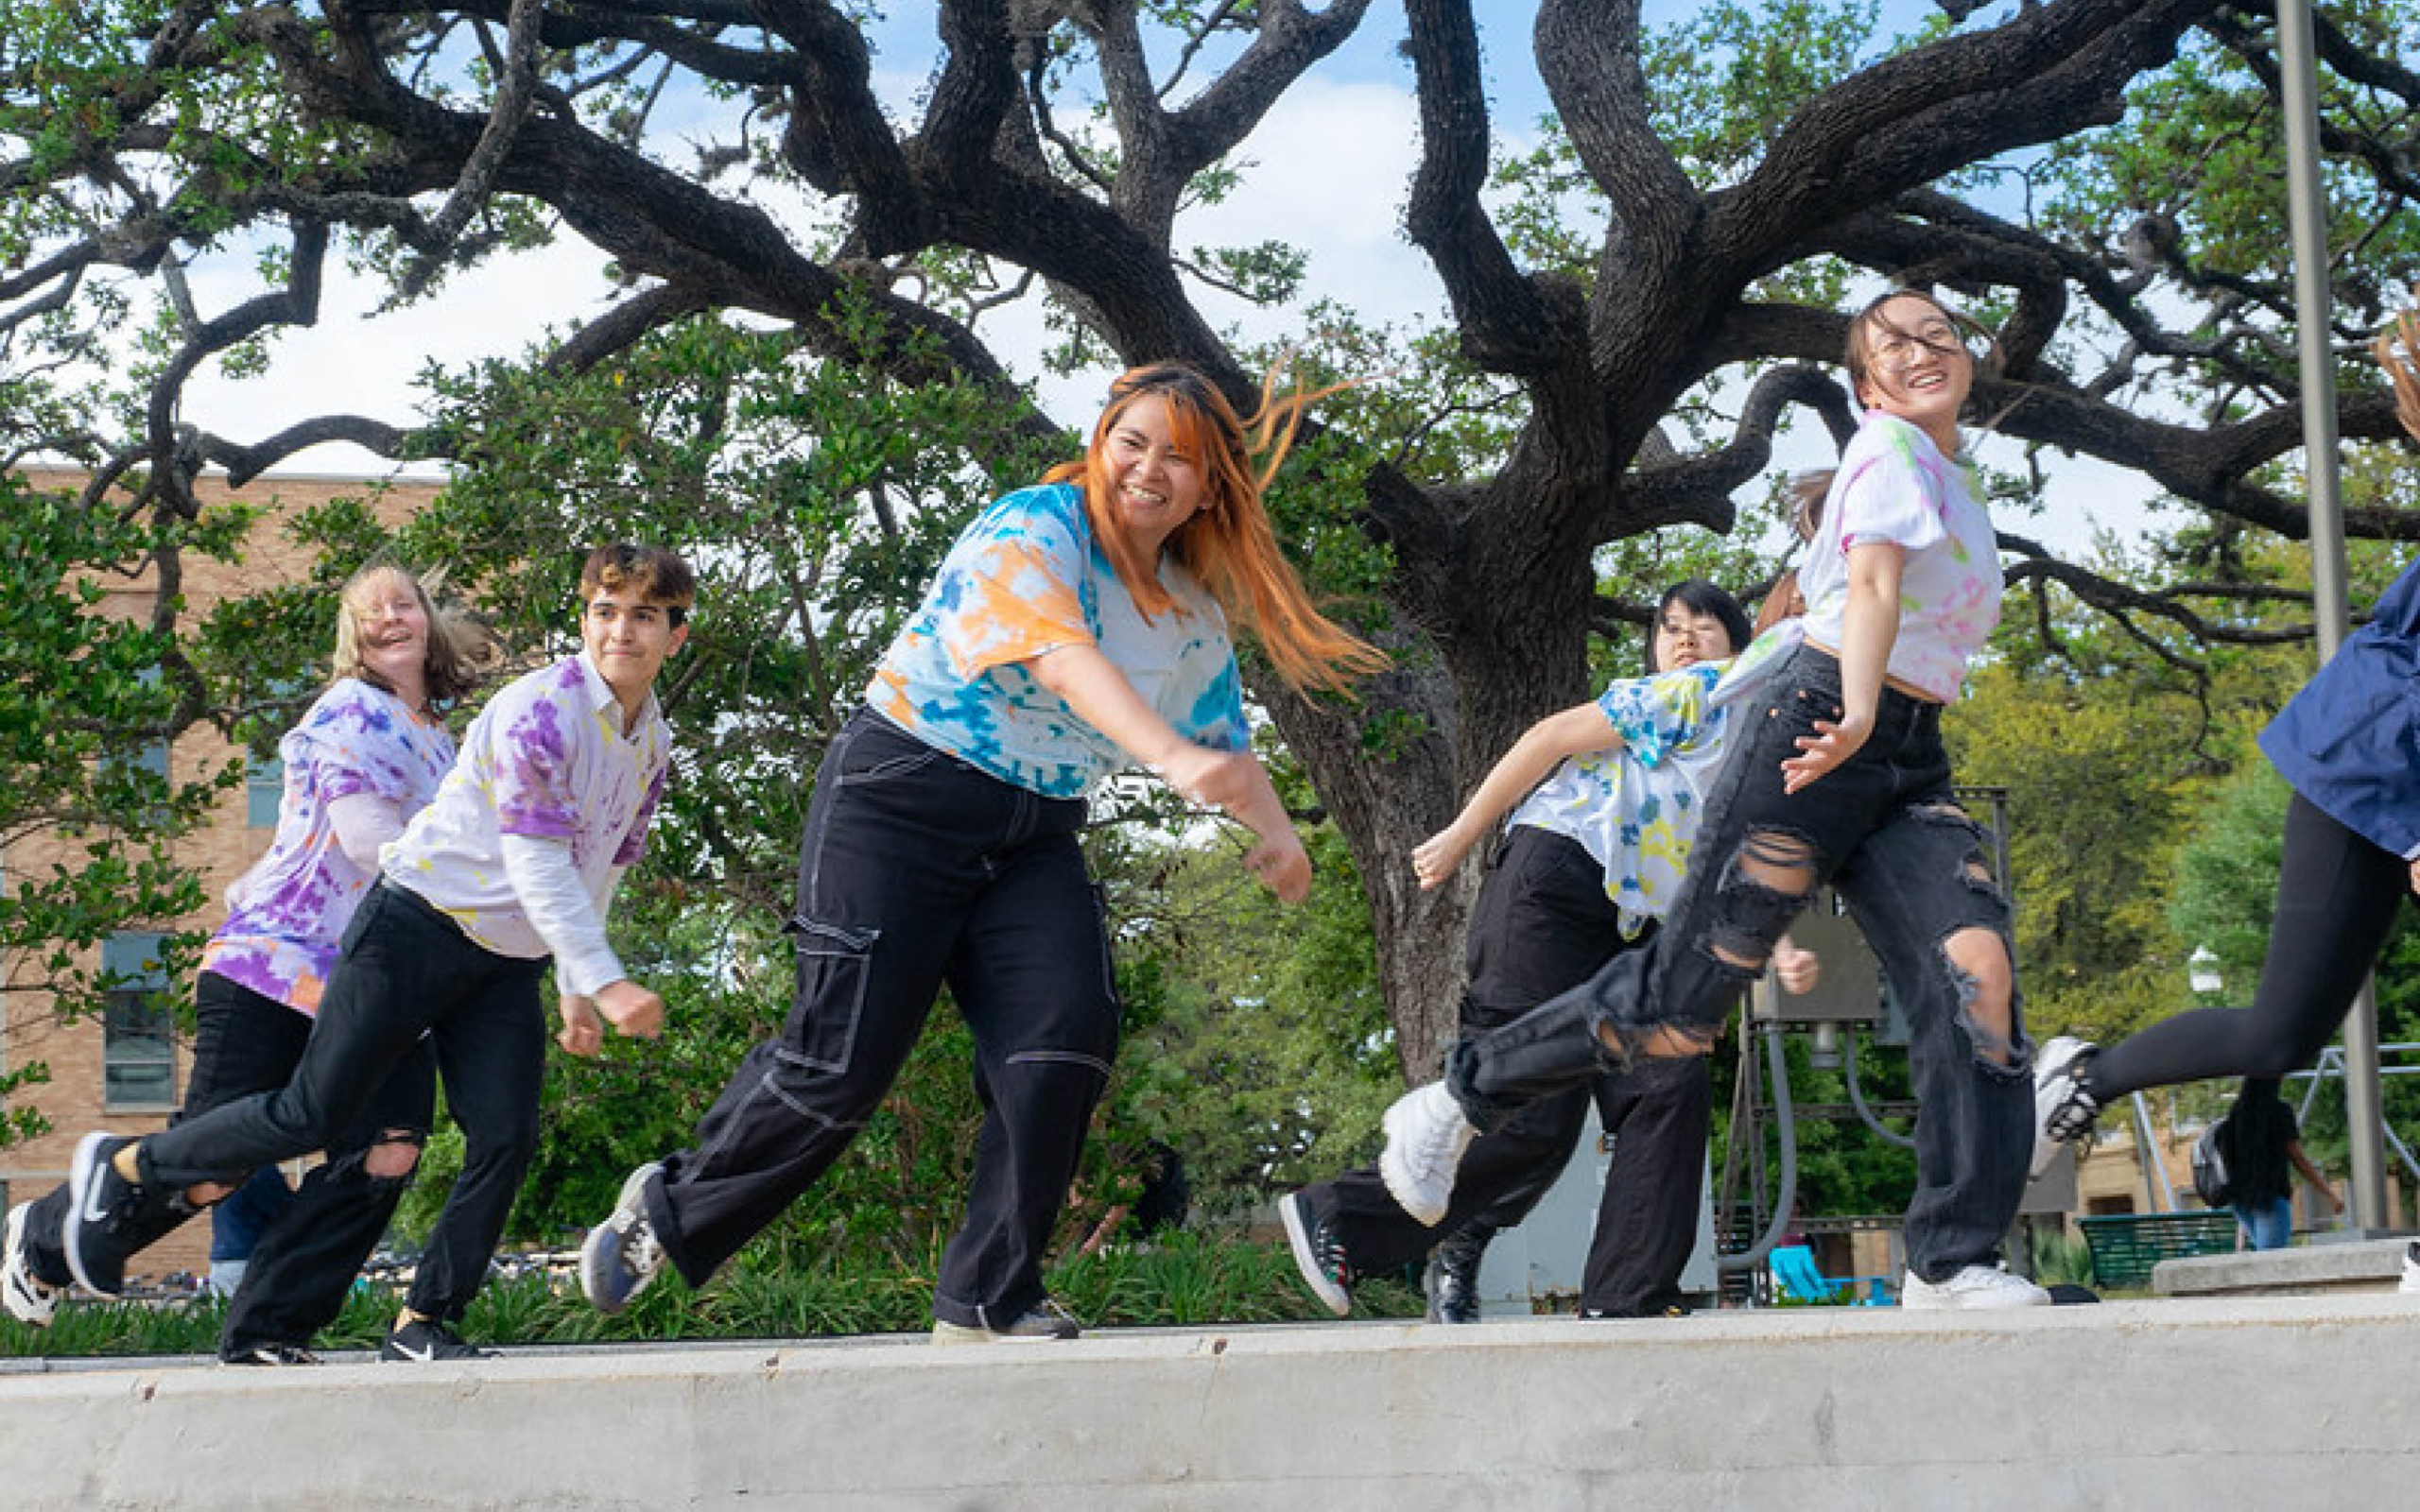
x: 1452, y: 1278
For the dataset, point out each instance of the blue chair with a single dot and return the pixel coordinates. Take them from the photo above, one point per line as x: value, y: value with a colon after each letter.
x: 1796, y: 1277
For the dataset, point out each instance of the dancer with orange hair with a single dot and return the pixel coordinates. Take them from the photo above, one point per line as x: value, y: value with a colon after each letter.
x: 1076, y: 628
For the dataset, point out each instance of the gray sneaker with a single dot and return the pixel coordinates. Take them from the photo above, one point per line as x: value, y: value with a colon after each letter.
x: 1043, y: 1322
x: 622, y: 1254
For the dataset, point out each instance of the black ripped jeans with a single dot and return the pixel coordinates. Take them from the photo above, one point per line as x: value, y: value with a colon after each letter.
x: 1885, y: 832
x: 918, y: 870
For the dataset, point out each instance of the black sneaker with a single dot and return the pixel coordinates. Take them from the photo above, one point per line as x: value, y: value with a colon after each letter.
x: 105, y: 1212
x: 1319, y: 1254
x: 1451, y: 1282
x: 1046, y: 1320
x: 423, y: 1341
x: 268, y: 1354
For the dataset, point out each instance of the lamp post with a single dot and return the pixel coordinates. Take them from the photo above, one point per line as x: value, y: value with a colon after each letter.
x: 2202, y: 972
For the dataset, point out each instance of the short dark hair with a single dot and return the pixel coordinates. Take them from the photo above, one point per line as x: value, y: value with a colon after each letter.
x: 656, y: 572
x: 1699, y: 596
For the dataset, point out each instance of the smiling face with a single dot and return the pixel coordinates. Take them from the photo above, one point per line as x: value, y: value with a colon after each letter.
x: 1915, y: 364
x: 628, y: 636
x: 1157, y: 484
x: 1684, y: 637
x: 390, y: 621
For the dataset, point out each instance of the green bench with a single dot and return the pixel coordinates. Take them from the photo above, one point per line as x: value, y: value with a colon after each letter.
x: 2126, y: 1245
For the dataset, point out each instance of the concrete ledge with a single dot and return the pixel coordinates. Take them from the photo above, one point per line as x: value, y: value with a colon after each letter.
x: 2305, y: 1270
x: 2123, y: 1405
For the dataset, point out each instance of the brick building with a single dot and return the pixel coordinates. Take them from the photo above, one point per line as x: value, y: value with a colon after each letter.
x: 125, y: 1071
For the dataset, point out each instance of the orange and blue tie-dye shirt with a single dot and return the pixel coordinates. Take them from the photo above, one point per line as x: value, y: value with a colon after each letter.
x: 285, y: 916
x: 1027, y: 578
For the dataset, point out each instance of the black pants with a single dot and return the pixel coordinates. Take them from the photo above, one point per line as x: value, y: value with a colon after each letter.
x: 406, y: 972
x: 1541, y: 926
x: 917, y: 869
x: 304, y: 1262
x: 2337, y: 897
x: 1885, y: 830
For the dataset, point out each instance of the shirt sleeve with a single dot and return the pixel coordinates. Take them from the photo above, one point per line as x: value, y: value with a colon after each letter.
x: 548, y: 888
x: 1884, y: 495
x: 534, y: 790
x: 350, y: 743
x: 1658, y: 715
x: 363, y: 822
x: 1010, y: 588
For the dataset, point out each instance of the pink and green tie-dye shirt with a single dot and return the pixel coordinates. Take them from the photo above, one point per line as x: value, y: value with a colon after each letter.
x: 285, y: 916
x: 1895, y: 486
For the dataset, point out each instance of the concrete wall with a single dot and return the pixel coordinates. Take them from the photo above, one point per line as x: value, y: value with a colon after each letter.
x: 2290, y: 1404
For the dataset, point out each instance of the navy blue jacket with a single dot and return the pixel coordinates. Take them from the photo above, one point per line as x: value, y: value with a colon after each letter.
x: 2350, y: 741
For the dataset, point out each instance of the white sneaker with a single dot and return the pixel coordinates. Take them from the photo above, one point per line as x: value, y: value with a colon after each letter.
x: 1425, y: 1137
x: 2410, y: 1282
x: 2063, y: 1110
x: 25, y: 1298
x: 1977, y: 1287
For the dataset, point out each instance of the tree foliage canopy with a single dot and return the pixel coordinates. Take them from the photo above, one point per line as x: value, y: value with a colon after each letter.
x: 1633, y: 310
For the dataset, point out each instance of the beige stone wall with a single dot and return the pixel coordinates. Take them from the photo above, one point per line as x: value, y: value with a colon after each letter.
x: 72, y: 1100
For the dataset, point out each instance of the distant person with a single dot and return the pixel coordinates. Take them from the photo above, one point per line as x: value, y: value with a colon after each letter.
x: 1076, y: 629
x: 510, y: 867
x: 2263, y: 1147
x: 366, y: 757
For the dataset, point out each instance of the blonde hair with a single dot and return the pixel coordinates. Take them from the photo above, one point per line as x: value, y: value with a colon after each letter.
x: 1228, y: 543
x: 461, y: 652
x: 2403, y: 370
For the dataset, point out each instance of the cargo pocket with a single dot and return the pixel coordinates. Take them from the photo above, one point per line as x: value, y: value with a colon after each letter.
x: 833, y: 968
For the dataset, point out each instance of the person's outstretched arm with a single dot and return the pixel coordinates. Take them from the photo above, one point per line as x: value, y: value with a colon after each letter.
x: 2312, y: 1174
x: 1577, y: 731
x: 1232, y: 781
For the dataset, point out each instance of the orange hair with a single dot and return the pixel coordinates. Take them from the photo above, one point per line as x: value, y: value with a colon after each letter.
x: 2403, y: 370
x: 1228, y: 543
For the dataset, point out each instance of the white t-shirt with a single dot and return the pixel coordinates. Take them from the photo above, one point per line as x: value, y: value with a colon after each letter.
x: 1895, y: 486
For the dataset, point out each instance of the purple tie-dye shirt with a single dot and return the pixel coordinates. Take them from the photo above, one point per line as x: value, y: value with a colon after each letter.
x: 285, y: 916
x: 547, y: 758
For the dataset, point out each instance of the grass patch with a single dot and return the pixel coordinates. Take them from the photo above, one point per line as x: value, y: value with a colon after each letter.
x: 1188, y: 1281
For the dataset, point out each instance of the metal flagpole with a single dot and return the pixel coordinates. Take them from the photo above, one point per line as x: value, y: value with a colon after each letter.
x: 2306, y: 217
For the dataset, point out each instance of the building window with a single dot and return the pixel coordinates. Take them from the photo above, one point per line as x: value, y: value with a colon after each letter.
x: 263, y: 785
x: 138, y: 1046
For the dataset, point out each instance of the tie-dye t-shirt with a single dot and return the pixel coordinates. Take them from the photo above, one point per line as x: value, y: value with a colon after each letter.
x: 1024, y: 578
x: 546, y: 758
x: 1636, y: 809
x: 285, y: 916
x: 1895, y: 486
